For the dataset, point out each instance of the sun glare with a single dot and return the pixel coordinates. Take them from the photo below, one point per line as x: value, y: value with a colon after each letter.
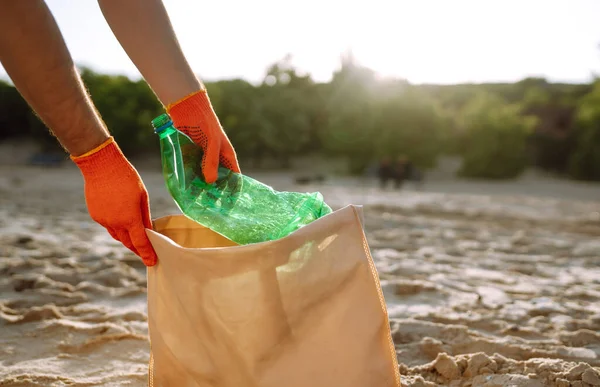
x: 395, y: 40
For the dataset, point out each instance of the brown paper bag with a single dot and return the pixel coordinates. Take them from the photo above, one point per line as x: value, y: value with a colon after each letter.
x: 303, y: 311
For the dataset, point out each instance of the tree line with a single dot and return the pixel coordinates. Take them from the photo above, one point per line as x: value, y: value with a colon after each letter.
x: 498, y: 130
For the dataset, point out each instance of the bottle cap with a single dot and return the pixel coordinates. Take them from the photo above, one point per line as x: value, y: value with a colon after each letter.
x: 161, y: 123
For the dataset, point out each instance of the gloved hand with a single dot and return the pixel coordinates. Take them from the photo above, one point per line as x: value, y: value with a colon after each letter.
x: 116, y: 197
x: 195, y: 117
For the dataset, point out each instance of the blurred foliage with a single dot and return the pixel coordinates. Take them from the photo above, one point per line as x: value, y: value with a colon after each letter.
x: 497, y: 129
x: 494, y: 138
x: 17, y: 119
x: 584, y: 161
x: 126, y: 107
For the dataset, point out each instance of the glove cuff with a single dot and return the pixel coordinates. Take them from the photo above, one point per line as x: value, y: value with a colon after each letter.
x: 191, y: 108
x: 100, y: 159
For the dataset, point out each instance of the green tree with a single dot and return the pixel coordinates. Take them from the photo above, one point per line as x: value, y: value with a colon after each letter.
x: 18, y: 120
x: 290, y: 111
x: 584, y: 163
x: 236, y: 103
x: 371, y: 119
x: 362, y: 118
x: 494, y: 138
x: 352, y: 115
x: 408, y: 124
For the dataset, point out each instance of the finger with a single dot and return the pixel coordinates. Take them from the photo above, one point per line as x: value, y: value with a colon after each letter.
x: 148, y: 255
x: 228, y: 157
x: 123, y: 236
x: 142, y: 244
x: 210, y: 161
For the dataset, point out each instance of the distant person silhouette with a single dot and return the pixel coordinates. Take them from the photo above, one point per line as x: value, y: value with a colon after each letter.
x: 400, y: 171
x: 385, y: 172
x: 410, y: 171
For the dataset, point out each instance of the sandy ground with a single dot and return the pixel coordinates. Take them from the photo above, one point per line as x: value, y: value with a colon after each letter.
x: 486, y: 285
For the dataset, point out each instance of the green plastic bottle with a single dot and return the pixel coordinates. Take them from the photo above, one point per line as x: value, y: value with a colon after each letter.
x: 235, y: 206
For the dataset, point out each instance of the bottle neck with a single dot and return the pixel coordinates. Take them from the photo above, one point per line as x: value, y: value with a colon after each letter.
x: 167, y: 132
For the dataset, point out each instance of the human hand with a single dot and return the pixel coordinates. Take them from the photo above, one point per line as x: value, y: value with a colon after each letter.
x: 195, y: 117
x: 116, y: 198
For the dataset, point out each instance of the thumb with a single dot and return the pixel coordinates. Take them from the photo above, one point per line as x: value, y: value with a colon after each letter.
x: 228, y: 157
x: 138, y: 233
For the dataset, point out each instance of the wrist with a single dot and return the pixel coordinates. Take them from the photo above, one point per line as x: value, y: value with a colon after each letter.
x: 88, y: 145
x: 98, y: 147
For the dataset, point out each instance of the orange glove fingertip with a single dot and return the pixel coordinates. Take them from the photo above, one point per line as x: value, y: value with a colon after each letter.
x: 229, y: 158
x: 150, y: 261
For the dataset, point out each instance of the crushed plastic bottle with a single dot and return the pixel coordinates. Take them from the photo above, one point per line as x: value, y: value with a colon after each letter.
x: 235, y: 206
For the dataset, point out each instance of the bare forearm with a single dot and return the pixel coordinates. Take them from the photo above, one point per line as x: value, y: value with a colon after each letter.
x: 36, y: 58
x: 145, y: 32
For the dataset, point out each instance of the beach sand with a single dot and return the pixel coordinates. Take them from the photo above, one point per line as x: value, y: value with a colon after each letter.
x: 482, y: 290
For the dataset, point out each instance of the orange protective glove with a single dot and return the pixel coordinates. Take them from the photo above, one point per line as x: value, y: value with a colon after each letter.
x: 116, y: 197
x: 195, y: 117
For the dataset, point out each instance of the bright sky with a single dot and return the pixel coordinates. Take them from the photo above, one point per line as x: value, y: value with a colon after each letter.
x: 425, y: 41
